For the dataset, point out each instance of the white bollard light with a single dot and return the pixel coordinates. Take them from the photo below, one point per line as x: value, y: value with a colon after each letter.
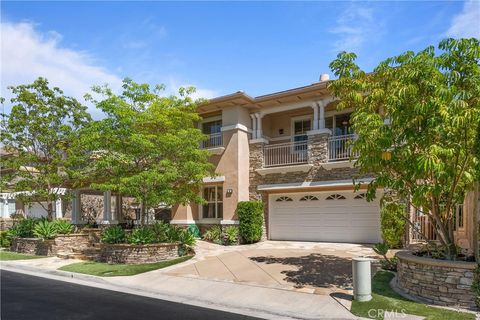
x: 362, y: 279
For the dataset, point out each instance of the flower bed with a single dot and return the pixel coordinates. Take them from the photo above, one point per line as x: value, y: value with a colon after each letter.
x: 440, y: 282
x: 138, y: 254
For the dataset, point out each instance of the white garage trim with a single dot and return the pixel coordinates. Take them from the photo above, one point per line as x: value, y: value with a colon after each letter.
x: 314, y: 184
x: 309, y: 216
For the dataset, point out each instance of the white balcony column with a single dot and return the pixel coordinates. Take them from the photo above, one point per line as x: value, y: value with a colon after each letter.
x: 58, y: 209
x: 315, y: 117
x: 107, y: 206
x: 76, y: 207
x: 254, y: 126
x: 321, y: 120
x: 5, y: 207
x: 259, y: 125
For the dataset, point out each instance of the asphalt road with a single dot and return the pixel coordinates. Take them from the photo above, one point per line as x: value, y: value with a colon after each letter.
x: 26, y: 297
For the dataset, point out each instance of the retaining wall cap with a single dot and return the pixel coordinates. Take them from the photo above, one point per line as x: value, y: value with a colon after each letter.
x: 150, y: 245
x: 409, y: 257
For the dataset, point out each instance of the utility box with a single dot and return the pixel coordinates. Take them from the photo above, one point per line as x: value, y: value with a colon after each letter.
x: 362, y: 279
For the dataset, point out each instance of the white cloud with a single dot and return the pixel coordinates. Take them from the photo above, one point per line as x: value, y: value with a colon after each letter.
x: 27, y: 54
x: 354, y: 27
x: 467, y: 23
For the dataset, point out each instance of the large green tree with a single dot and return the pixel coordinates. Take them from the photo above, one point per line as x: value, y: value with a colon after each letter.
x: 38, y: 133
x: 147, y: 146
x: 417, y: 117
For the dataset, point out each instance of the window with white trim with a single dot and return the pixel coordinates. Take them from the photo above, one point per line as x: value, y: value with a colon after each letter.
x: 283, y: 198
x: 335, y: 197
x: 360, y: 196
x: 300, y: 128
x: 213, y: 209
x: 308, y: 198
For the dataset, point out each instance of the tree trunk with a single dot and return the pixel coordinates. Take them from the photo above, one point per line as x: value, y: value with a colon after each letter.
x: 49, y: 211
x: 142, y: 213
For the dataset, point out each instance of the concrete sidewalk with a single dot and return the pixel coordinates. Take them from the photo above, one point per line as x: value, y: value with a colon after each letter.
x: 248, y: 299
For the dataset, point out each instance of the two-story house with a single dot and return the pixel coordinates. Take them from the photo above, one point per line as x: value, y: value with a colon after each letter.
x: 290, y: 150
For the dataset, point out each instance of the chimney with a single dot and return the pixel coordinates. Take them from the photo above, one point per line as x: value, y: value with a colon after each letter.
x: 324, y: 77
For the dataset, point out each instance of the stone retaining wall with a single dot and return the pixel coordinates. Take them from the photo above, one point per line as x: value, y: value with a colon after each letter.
x: 68, y: 242
x: 137, y: 254
x: 40, y: 247
x: 33, y: 246
x: 440, y: 282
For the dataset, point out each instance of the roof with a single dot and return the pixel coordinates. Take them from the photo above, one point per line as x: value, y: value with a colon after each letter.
x: 240, y: 98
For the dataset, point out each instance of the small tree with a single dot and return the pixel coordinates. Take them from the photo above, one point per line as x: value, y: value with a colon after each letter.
x: 39, y: 133
x: 417, y: 117
x: 147, y: 146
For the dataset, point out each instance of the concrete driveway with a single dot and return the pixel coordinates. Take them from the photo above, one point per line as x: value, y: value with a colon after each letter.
x: 320, y: 268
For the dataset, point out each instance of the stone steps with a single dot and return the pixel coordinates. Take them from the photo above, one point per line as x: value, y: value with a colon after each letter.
x: 89, y: 253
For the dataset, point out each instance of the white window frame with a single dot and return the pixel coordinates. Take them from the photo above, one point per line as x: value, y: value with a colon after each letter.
x: 216, y: 202
x: 292, y: 125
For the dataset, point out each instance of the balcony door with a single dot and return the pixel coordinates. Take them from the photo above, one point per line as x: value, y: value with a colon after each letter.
x: 300, y: 126
x: 213, y: 130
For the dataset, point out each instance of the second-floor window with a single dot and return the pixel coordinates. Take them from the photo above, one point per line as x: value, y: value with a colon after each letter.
x: 212, y: 127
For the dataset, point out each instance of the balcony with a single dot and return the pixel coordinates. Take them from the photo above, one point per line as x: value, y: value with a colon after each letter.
x: 340, y: 148
x: 214, y: 140
x: 285, y: 154
x: 214, y: 143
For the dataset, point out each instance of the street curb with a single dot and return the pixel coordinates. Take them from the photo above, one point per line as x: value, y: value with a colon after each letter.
x: 97, y: 282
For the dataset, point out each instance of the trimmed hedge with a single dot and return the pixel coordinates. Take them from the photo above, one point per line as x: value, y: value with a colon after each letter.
x: 250, y: 216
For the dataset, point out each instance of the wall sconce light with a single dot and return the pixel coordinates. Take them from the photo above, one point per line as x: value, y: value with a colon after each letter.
x: 229, y: 192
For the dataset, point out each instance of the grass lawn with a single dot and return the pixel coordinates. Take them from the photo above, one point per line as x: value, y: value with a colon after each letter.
x: 384, y: 298
x: 113, y: 270
x: 7, y: 255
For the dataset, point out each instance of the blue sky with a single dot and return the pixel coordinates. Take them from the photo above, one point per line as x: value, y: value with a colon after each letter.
x: 219, y: 47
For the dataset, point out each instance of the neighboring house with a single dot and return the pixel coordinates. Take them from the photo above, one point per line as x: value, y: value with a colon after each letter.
x: 290, y: 150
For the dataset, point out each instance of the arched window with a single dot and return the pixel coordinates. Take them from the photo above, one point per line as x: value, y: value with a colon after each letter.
x: 283, y: 198
x: 335, y: 197
x: 360, y: 196
x: 308, y: 198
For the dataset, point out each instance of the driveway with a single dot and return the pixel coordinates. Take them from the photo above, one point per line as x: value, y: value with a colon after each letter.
x: 320, y: 268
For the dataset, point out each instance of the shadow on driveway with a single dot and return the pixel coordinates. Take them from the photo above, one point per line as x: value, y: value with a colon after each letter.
x: 317, y: 270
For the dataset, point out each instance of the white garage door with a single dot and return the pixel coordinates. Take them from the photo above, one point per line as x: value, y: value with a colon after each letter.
x: 324, y: 216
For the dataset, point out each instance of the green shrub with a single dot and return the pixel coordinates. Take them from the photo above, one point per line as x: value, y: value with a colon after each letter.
x: 113, y: 234
x: 174, y: 233
x: 250, y: 215
x: 393, y: 220
x: 213, y: 234
x: 230, y: 235
x: 63, y: 226
x: 4, y: 239
x: 187, y: 238
x: 160, y: 231
x: 143, y: 235
x: 23, y: 228
x: 45, y: 229
x: 476, y: 285
x: 387, y: 263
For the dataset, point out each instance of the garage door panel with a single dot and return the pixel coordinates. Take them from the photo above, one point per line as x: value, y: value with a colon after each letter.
x: 347, y: 220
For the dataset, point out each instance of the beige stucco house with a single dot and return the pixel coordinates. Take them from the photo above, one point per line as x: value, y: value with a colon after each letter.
x: 290, y: 149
